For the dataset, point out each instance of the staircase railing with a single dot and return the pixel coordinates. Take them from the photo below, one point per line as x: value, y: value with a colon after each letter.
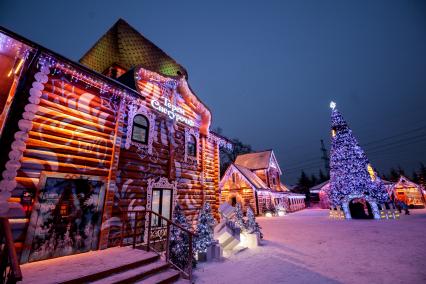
x: 150, y: 231
x: 9, y: 265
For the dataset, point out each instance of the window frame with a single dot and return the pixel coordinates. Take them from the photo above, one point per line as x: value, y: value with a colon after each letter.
x: 141, y: 126
x: 134, y: 109
x: 192, y: 152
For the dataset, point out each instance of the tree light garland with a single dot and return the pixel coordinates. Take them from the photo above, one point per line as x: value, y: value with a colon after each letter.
x: 350, y: 170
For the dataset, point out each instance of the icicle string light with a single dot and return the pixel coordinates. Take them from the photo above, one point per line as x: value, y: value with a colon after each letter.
x: 77, y: 76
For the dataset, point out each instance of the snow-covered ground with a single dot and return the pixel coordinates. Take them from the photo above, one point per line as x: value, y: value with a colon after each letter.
x: 307, y: 247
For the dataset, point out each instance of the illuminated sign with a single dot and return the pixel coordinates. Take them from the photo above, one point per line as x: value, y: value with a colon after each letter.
x: 172, y: 111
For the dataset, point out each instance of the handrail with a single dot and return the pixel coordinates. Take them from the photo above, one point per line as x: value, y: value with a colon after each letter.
x: 8, y: 254
x: 148, y: 214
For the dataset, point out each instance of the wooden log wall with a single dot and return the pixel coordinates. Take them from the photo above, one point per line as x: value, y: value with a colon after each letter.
x: 197, y: 182
x: 241, y: 190
x: 65, y: 129
x: 74, y: 129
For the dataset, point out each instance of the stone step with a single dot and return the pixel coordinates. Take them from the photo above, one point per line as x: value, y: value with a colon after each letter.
x: 230, y: 243
x: 135, y: 274
x: 149, y: 258
x: 168, y: 276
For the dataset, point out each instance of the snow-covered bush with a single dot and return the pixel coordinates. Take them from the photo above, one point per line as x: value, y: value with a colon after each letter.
x: 251, y: 225
x: 204, y: 230
x: 179, y: 240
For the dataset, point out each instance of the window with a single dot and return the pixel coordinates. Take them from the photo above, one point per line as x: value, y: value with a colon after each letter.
x: 161, y: 204
x: 192, y: 146
x: 234, y: 177
x: 140, y: 129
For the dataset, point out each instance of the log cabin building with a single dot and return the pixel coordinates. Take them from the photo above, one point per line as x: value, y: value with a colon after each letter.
x: 83, y: 143
x: 254, y: 180
x: 408, y: 192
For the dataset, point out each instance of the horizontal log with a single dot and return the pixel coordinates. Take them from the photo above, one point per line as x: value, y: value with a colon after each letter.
x: 68, y: 119
x: 77, y: 161
x: 42, y: 165
x: 69, y: 135
x: 46, y: 121
x: 105, y: 120
x: 74, y: 92
x: 65, y: 149
x: 94, y: 108
x: 27, y: 182
x: 102, y: 145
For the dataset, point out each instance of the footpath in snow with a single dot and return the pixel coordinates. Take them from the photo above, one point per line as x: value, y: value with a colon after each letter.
x: 307, y: 247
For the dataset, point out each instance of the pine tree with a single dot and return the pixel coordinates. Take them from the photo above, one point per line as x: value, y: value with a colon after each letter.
x: 179, y: 240
x: 350, y: 170
x: 239, y: 217
x: 393, y: 175
x: 204, y: 229
x: 322, y: 176
x: 252, y: 225
x: 422, y: 175
x: 415, y: 177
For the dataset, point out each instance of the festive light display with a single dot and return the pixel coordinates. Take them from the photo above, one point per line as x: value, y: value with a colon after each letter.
x: 179, y: 240
x: 251, y: 224
x: 350, y: 171
x: 239, y: 217
x: 204, y: 231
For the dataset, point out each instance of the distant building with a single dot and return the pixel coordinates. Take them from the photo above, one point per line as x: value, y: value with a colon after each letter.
x: 409, y: 192
x: 254, y: 180
x: 318, y: 194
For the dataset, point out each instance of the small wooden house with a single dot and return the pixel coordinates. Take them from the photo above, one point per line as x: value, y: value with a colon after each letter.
x: 408, y: 192
x: 318, y: 193
x: 254, y: 180
x: 84, y: 143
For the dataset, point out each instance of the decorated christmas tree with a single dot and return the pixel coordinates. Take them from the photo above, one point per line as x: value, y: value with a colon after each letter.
x: 239, y: 217
x: 179, y: 240
x: 252, y: 225
x: 350, y: 171
x: 204, y: 231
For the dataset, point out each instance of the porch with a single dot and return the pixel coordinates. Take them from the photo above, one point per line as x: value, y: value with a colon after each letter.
x: 113, y: 265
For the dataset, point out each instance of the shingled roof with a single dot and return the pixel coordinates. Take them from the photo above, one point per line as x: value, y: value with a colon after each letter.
x: 126, y: 47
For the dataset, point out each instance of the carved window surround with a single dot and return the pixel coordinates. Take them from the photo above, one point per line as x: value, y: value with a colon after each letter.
x: 188, y: 133
x: 161, y: 183
x: 135, y: 109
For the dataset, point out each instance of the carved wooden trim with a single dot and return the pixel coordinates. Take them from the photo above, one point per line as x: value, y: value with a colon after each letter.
x: 135, y: 109
x: 8, y: 184
x: 162, y: 182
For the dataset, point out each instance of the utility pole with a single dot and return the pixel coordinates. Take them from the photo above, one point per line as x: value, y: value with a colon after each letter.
x: 325, y: 157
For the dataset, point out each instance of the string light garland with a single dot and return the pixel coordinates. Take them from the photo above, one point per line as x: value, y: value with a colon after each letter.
x: 78, y: 76
x: 350, y: 171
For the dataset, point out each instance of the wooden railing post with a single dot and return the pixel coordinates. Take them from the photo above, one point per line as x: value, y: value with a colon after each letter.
x: 134, y: 229
x: 122, y: 229
x: 167, y: 241
x: 190, y: 257
x: 9, y: 254
x: 149, y: 232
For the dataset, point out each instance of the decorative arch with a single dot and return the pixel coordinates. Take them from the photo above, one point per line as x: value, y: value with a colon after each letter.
x: 348, y: 198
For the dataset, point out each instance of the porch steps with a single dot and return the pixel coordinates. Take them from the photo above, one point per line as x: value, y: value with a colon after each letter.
x: 115, y: 265
x: 167, y: 276
x: 227, y: 237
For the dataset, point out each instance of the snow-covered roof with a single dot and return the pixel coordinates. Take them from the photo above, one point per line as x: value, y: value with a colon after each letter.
x: 284, y: 187
x: 252, y: 177
x: 258, y: 160
x: 405, y: 182
x: 318, y: 187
